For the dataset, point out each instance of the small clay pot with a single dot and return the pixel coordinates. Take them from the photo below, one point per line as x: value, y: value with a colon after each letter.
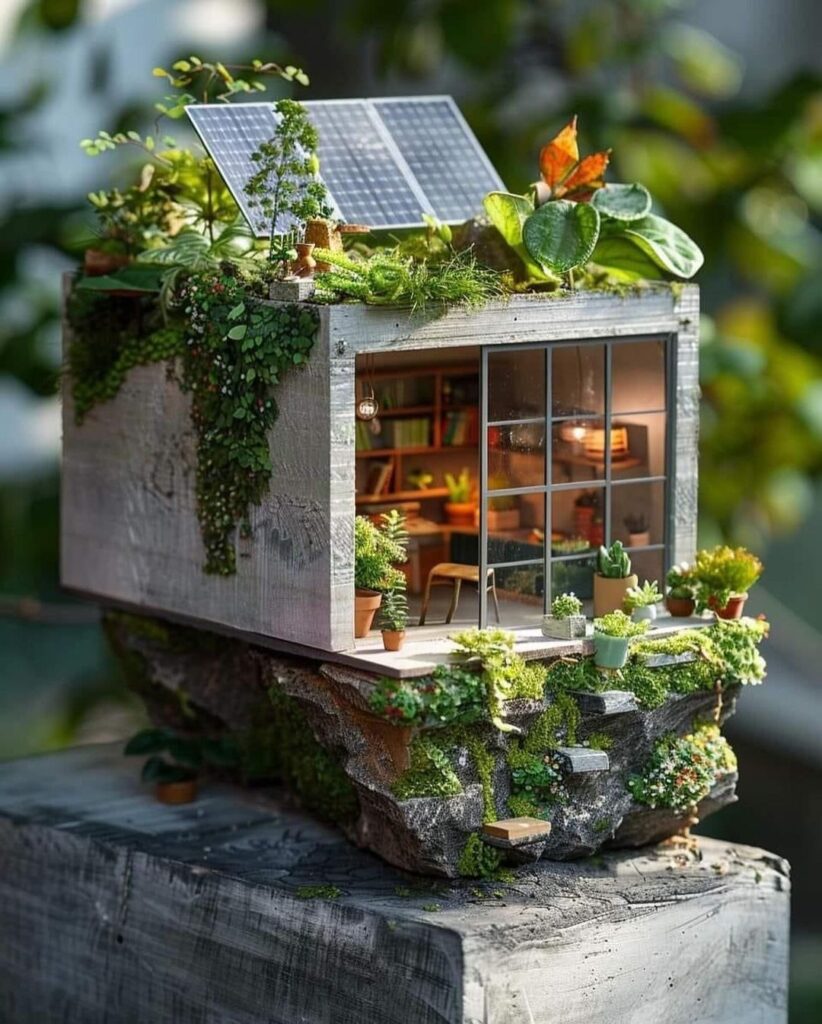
x: 366, y: 604
x: 305, y: 264
x: 98, y: 263
x: 609, y: 592
x: 460, y: 513
x: 639, y: 540
x: 680, y: 607
x: 732, y: 610
x: 393, y: 639
x: 183, y: 792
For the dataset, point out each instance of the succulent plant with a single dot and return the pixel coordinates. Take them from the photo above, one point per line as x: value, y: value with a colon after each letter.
x: 613, y: 562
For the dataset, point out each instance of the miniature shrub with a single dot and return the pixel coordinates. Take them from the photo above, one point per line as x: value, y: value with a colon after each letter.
x: 619, y: 624
x: 724, y: 572
x: 430, y: 773
x: 681, y: 582
x: 378, y: 550
x: 565, y: 605
x: 559, y: 721
x: 682, y: 770
x: 527, y: 679
x: 536, y: 778
x: 492, y: 652
x: 599, y: 741
x: 450, y: 694
x: 478, y: 859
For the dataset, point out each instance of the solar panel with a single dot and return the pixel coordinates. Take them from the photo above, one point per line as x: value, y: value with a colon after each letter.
x: 384, y: 162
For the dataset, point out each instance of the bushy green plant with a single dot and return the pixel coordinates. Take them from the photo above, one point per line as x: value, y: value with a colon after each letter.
x: 429, y: 774
x: 619, y: 624
x: 724, y: 572
x: 492, y: 652
x: 449, y: 695
x: 178, y: 758
x: 641, y: 596
x: 613, y: 562
x: 394, y: 609
x: 565, y: 605
x: 285, y: 187
x: 389, y: 277
x: 478, y: 859
x: 459, y: 487
x: 682, y: 770
x: 681, y: 582
x: 378, y: 550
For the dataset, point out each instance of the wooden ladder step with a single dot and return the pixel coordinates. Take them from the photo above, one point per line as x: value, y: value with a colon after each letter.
x: 510, y: 832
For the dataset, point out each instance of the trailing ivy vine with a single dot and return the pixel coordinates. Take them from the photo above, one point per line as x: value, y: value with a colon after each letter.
x: 236, y: 351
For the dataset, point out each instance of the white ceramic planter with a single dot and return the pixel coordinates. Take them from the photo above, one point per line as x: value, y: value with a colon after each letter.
x: 647, y: 613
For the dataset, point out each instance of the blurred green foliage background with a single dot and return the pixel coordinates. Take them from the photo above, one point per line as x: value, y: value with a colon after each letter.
x: 740, y: 169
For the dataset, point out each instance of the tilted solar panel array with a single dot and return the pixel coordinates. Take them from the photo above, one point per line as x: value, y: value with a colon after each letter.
x: 385, y: 162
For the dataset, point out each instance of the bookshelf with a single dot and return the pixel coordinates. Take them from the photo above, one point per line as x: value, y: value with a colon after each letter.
x: 428, y: 412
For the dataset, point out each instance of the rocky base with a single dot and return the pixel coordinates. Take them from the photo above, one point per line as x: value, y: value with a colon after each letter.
x: 310, y: 724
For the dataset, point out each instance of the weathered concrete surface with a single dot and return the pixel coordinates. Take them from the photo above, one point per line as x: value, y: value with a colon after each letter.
x: 226, y: 683
x: 117, y: 910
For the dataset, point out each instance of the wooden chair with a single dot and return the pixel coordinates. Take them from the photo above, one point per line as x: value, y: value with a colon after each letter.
x: 455, y: 574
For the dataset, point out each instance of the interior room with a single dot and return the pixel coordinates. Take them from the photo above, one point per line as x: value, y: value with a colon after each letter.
x: 420, y: 419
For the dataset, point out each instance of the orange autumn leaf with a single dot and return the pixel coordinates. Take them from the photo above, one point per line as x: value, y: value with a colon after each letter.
x: 562, y: 170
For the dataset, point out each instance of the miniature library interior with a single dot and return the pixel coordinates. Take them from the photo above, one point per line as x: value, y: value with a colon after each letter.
x: 423, y: 428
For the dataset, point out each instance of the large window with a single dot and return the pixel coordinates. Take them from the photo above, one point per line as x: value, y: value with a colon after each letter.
x: 575, y: 441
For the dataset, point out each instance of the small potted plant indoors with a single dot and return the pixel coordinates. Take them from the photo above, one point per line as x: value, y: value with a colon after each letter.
x: 613, y: 578
x: 378, y: 550
x: 639, y: 533
x: 612, y: 637
x: 640, y: 602
x: 459, y: 509
x: 566, y: 621
x: 680, y: 599
x: 175, y: 762
x: 723, y: 577
x: 503, y: 512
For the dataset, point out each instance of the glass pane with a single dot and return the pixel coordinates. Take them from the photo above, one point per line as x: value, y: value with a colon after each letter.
x: 516, y: 456
x: 571, y: 460
x: 516, y: 384
x: 638, y: 370
x: 575, y: 576
x: 637, y: 445
x: 577, y: 522
x: 516, y: 528
x: 648, y: 565
x: 520, y: 595
x: 578, y: 380
x: 638, y: 514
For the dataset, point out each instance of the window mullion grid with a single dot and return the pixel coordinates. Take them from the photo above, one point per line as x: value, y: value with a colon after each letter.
x: 607, y: 416
x: 547, y: 586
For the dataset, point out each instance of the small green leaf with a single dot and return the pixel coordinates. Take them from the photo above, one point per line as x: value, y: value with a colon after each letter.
x: 623, y: 259
x: 623, y: 202
x: 239, y: 413
x: 508, y: 212
x: 181, y: 65
x: 238, y: 332
x: 149, y: 143
x: 236, y: 311
x: 250, y: 375
x: 667, y: 245
x: 561, y: 235
x: 159, y: 72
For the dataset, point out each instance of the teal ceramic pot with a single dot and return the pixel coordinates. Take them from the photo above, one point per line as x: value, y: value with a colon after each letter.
x: 610, y: 651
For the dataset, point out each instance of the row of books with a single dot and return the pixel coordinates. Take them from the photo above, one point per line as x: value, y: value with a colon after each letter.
x: 411, y: 432
x: 460, y: 428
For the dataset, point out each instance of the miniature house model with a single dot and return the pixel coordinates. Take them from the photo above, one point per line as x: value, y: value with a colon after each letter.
x: 574, y: 417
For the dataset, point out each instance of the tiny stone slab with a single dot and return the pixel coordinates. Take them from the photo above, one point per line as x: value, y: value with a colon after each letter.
x: 296, y: 289
x: 516, y: 831
x: 578, y: 760
x: 609, y: 702
x: 664, y: 660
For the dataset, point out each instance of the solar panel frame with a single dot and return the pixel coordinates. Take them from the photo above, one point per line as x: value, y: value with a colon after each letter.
x: 337, y: 189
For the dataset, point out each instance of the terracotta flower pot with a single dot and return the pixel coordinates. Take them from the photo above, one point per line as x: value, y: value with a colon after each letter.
x: 609, y: 593
x: 639, y: 540
x: 366, y: 603
x: 393, y: 639
x: 184, y: 792
x: 460, y: 513
x: 732, y: 610
x: 97, y: 262
x: 305, y: 264
x: 502, y: 519
x: 680, y: 607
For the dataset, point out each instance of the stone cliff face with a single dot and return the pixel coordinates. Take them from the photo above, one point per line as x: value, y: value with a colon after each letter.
x: 312, y: 725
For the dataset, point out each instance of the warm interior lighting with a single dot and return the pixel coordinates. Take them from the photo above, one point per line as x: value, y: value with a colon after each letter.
x: 595, y: 442
x: 572, y: 433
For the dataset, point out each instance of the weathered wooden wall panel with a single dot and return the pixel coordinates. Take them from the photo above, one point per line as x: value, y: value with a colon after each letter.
x: 117, y: 910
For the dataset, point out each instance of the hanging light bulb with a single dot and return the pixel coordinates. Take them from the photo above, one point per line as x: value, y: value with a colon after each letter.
x: 368, y: 407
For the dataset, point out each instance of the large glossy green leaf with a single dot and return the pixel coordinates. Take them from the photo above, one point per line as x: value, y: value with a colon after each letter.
x: 624, y: 259
x: 623, y: 202
x: 561, y: 235
x: 667, y: 245
x: 508, y: 212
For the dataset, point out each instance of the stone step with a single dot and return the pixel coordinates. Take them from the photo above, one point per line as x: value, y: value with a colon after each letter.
x: 609, y: 702
x: 580, y: 760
